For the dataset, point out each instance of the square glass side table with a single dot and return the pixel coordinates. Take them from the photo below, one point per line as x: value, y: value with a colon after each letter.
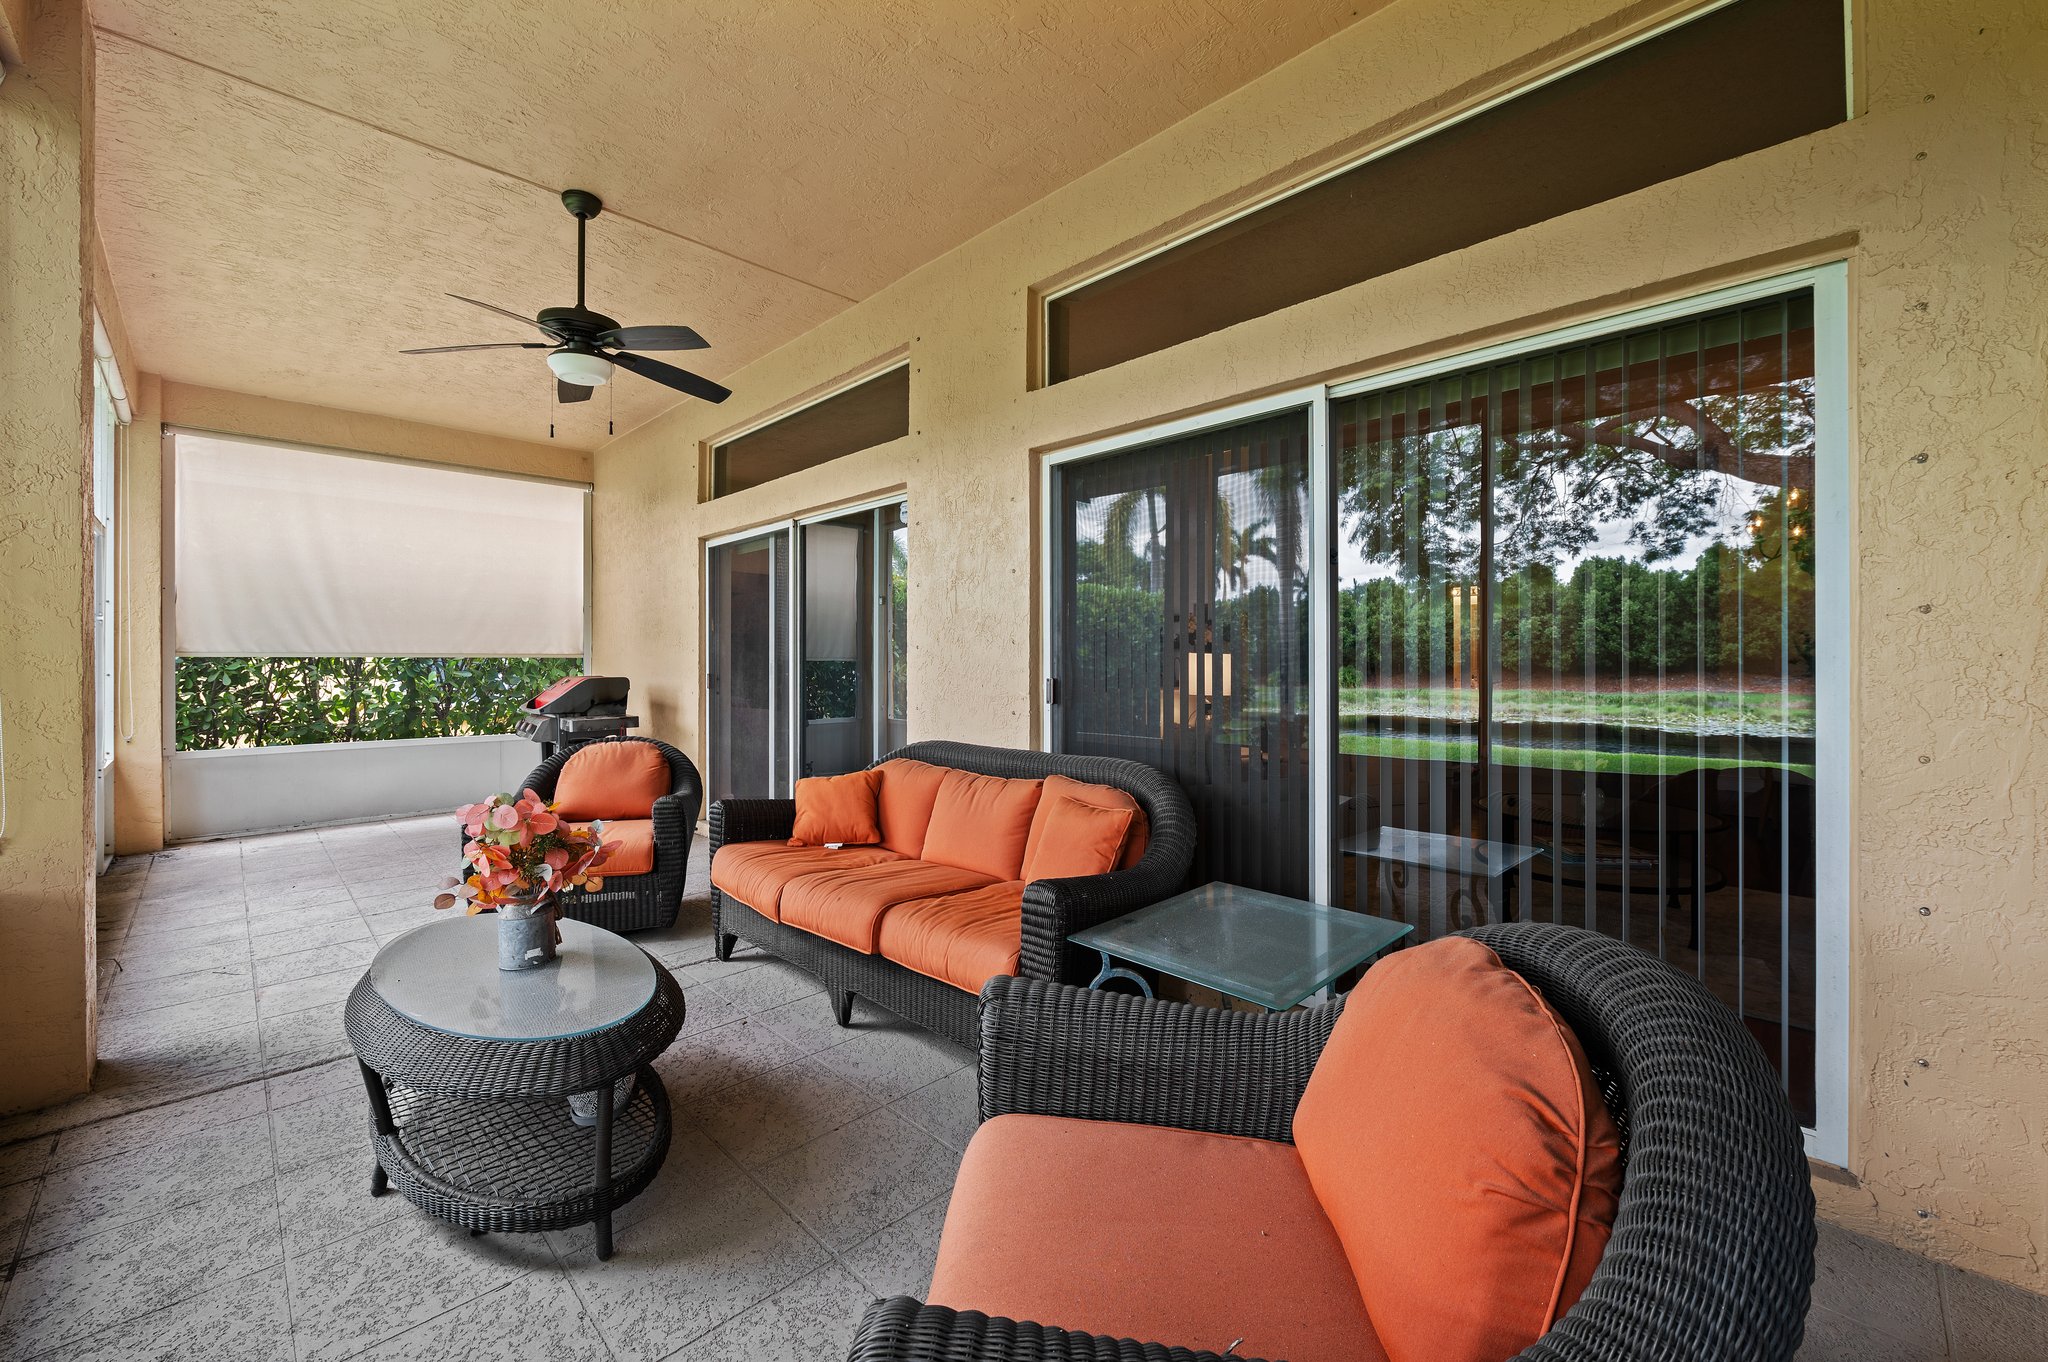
x: 1455, y: 882
x: 1268, y: 950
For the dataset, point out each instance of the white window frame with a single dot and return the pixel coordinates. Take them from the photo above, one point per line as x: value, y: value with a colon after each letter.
x: 1828, y: 1139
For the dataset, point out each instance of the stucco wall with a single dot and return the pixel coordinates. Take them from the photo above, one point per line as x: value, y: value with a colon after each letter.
x: 46, y: 902
x: 1937, y: 196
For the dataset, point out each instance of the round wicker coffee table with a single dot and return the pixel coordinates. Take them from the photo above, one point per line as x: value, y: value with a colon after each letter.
x: 469, y: 1072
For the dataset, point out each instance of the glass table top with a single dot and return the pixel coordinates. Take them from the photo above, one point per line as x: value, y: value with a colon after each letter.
x: 1440, y: 851
x: 1263, y: 948
x: 445, y: 975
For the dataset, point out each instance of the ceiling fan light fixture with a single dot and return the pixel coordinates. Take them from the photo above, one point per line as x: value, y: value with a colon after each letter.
x: 591, y: 371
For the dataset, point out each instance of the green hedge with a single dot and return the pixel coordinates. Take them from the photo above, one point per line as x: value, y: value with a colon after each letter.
x: 285, y: 701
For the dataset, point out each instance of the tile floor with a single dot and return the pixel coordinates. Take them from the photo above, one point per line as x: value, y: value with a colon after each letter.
x: 209, y: 1199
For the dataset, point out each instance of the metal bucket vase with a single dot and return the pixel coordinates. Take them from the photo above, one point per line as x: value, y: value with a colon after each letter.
x: 526, y: 934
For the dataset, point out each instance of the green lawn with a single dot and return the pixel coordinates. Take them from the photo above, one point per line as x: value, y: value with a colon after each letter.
x: 1755, y: 713
x: 1642, y: 763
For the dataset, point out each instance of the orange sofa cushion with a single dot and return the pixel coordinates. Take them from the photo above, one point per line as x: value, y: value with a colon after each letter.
x: 632, y: 844
x: 1152, y: 1234
x: 756, y: 873
x: 1456, y: 1141
x: 981, y: 823
x: 1079, y: 829
x: 961, y: 939
x: 837, y: 809
x: 909, y: 789
x: 612, y: 780
x: 846, y: 905
x: 1135, y: 843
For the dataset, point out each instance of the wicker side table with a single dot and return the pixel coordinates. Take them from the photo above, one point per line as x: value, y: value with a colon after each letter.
x: 469, y: 1070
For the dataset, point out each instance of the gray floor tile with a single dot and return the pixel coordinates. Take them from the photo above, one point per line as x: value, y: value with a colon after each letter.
x: 1989, y: 1321
x: 678, y: 1275
x: 244, y: 1321
x: 304, y: 936
x: 157, y: 928
x: 768, y: 984
x: 898, y: 1260
x: 812, y: 1318
x: 160, y: 1068
x: 316, y: 1080
x: 1837, y: 1338
x: 329, y: 989
x: 298, y: 1039
x: 25, y: 1159
x: 157, y: 1125
x: 718, y: 1058
x: 343, y: 956
x: 122, y: 1274
x: 892, y: 1063
x: 335, y: 1125
x: 535, y: 1317
x: 349, y: 1294
x: 130, y: 1032
x: 809, y: 1026
x: 1879, y: 1287
x: 90, y: 1198
x: 17, y: 1203
x: 329, y: 1199
x: 861, y: 1177
x: 142, y: 966
x: 765, y: 1117
x: 949, y: 1109
x: 281, y: 913
x: 129, y: 995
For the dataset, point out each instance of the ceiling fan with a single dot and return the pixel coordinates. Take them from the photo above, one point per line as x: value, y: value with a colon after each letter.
x: 584, y: 346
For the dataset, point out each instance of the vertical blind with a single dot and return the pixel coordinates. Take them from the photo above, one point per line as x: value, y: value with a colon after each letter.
x: 1576, y: 652
x: 1183, y: 634
x: 747, y: 682
x: 284, y: 552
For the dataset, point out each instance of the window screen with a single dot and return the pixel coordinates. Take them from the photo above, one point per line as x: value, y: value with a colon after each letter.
x: 857, y: 418
x: 1737, y: 79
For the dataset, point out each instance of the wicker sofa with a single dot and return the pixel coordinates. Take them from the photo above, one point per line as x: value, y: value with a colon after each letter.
x: 1052, y: 908
x: 1712, y: 1233
x: 633, y: 903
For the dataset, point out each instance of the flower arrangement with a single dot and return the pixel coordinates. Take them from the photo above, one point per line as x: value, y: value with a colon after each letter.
x: 520, y: 853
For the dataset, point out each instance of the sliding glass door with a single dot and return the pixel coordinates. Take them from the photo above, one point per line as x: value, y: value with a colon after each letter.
x: 1182, y: 632
x: 747, y: 682
x: 1576, y: 652
x: 808, y: 661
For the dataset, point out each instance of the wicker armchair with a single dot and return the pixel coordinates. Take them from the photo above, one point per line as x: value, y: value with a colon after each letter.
x: 633, y: 903
x: 1712, y: 1250
x: 1052, y: 908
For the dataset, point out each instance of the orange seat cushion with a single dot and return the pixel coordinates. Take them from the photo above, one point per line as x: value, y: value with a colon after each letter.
x: 959, y: 939
x: 981, y: 823
x: 756, y: 873
x: 1079, y: 829
x: 909, y: 789
x: 632, y: 845
x: 1456, y: 1140
x: 846, y: 905
x: 1153, y: 1234
x: 612, y: 780
x: 1139, y: 837
x: 837, y: 810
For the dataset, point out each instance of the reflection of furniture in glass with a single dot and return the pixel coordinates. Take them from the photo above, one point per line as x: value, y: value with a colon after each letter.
x: 646, y: 898
x: 1452, y: 879
x: 1268, y: 950
x: 1712, y: 1247
x: 1588, y: 838
x: 467, y: 1068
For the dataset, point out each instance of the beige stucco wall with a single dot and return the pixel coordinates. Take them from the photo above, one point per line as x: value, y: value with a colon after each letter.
x: 1937, y: 197
x: 46, y: 892
x: 141, y: 739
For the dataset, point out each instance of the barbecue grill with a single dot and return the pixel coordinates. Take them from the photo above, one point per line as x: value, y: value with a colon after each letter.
x: 574, y: 711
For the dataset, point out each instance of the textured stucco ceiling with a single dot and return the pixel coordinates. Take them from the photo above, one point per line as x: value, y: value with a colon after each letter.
x: 286, y: 192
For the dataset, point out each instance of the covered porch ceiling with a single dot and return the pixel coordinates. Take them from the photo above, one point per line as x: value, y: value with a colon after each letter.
x: 287, y: 195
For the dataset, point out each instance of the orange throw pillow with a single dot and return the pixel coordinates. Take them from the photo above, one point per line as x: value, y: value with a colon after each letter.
x: 612, y: 780
x: 981, y: 823
x: 1077, y: 831
x: 909, y: 789
x: 1455, y: 1139
x: 837, y: 809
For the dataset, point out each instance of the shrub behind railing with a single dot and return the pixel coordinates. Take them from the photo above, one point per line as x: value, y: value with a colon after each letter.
x: 287, y: 701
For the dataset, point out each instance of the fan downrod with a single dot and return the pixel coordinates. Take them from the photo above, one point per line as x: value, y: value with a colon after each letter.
x: 582, y: 204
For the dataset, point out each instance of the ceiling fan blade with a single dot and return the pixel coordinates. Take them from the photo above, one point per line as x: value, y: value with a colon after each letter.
x: 652, y: 338
x: 565, y: 391
x: 502, y: 312
x: 682, y: 380
x: 492, y: 345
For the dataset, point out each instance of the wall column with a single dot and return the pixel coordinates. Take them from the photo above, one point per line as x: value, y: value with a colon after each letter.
x: 46, y: 852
